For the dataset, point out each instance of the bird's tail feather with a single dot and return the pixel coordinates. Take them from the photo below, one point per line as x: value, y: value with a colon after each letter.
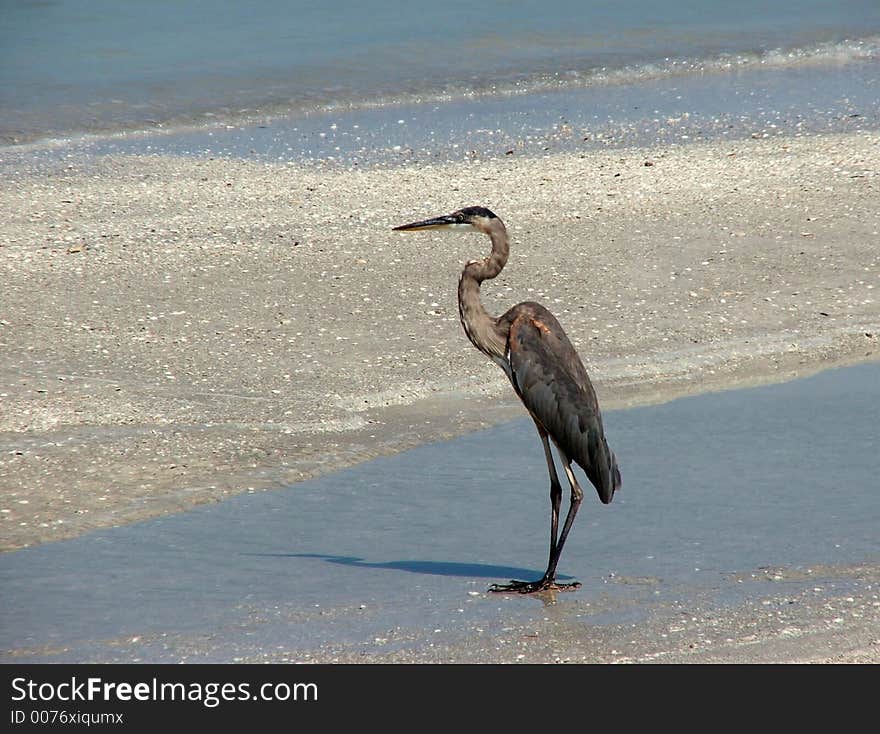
x: 614, y: 475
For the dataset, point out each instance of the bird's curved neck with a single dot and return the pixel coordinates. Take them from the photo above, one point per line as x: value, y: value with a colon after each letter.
x: 481, y: 328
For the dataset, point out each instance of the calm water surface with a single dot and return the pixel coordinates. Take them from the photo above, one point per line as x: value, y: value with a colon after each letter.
x: 717, y: 488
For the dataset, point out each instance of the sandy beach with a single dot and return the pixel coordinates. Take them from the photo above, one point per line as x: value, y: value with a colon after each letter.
x: 178, y: 330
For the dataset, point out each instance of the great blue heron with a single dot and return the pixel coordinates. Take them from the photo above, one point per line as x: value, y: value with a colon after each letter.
x: 530, y: 346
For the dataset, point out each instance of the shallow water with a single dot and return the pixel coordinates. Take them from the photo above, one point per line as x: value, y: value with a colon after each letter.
x: 718, y: 488
x: 69, y: 67
x: 662, y: 111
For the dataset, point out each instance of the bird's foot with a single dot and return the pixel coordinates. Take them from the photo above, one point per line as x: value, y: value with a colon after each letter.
x: 532, y: 587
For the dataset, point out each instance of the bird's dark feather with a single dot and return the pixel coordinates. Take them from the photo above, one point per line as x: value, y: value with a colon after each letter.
x: 553, y: 384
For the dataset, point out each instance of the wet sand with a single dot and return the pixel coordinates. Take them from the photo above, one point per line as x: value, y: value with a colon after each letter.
x: 175, y: 331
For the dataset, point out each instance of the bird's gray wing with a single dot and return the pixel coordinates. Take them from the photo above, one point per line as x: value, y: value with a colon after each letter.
x: 550, y: 379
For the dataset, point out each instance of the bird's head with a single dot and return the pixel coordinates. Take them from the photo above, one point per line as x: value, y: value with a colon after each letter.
x: 473, y: 217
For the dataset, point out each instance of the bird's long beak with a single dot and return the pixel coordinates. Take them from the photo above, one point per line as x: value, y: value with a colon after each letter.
x: 444, y: 222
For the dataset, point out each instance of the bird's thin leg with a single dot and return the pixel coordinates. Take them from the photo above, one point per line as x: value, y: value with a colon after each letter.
x: 549, y: 580
x: 555, y: 489
x: 577, y: 496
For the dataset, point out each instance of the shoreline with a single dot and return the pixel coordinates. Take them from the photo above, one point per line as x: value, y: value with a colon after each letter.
x: 198, y: 328
x: 833, y: 66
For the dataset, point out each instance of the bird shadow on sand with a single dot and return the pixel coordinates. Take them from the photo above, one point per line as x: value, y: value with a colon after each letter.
x: 437, y: 568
